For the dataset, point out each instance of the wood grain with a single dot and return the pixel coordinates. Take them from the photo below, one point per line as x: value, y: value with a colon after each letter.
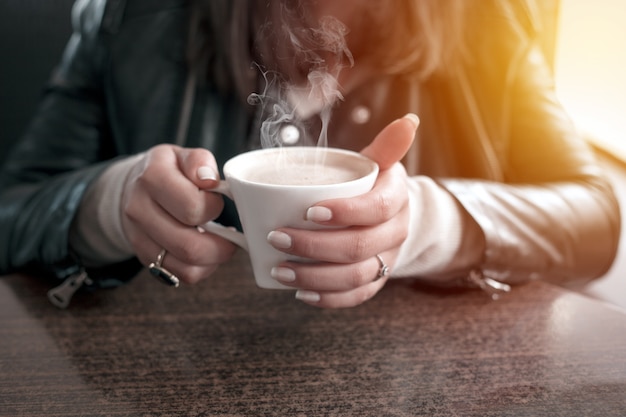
x: 227, y: 348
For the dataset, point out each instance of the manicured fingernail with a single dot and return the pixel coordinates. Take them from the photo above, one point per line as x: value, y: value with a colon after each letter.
x: 319, y: 214
x: 307, y: 296
x: 283, y: 274
x: 279, y: 240
x: 413, y: 118
x: 207, y: 173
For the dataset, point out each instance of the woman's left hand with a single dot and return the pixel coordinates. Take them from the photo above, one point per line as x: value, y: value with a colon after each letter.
x: 375, y: 223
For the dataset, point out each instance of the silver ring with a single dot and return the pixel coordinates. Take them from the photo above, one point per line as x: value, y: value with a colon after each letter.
x: 384, y: 269
x: 161, y: 273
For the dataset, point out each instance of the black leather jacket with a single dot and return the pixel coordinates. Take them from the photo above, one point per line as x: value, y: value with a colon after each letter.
x: 492, y: 132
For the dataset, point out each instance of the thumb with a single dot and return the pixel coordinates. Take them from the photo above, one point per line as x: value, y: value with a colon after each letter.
x: 393, y: 142
x: 199, y: 166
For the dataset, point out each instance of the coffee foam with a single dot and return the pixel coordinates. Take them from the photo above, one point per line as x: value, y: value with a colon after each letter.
x: 306, y: 173
x: 299, y: 166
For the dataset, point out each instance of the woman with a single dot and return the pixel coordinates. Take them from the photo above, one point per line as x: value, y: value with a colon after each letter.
x: 151, y: 97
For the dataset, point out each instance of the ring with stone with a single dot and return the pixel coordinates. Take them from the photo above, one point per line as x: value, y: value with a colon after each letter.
x: 158, y: 271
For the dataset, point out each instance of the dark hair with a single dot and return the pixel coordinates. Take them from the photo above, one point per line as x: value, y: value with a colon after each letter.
x: 229, y: 39
x: 232, y: 40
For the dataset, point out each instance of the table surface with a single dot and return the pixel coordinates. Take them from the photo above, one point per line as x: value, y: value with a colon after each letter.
x: 225, y: 347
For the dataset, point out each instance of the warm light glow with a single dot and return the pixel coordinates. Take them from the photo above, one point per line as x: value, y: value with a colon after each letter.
x: 591, y: 69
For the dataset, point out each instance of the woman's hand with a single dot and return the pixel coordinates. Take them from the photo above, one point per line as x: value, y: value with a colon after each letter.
x: 375, y: 223
x: 162, y: 202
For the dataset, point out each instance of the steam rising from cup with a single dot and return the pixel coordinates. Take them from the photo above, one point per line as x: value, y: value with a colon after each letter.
x: 325, y: 53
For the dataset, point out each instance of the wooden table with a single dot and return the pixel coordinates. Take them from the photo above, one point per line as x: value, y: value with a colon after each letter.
x: 225, y: 347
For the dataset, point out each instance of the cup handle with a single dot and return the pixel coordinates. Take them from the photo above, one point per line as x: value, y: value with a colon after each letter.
x: 227, y: 233
x: 223, y: 188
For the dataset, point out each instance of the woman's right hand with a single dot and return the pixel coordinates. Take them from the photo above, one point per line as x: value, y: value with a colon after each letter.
x: 163, y: 201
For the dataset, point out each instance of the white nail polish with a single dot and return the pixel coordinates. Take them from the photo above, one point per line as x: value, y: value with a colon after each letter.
x: 279, y: 240
x: 206, y: 173
x: 319, y: 214
x: 283, y: 274
x: 413, y: 118
x: 308, y: 296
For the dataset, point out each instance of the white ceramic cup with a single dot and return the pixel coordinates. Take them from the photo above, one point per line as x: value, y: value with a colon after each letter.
x: 265, y: 205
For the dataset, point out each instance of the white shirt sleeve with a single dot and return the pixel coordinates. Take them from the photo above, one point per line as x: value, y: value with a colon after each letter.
x: 97, y: 235
x: 435, y: 230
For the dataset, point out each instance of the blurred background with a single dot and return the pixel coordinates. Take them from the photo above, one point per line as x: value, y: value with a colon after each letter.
x: 590, y: 68
x: 586, y: 40
x: 33, y: 34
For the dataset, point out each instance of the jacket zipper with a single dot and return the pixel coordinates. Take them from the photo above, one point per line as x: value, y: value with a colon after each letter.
x: 61, y: 295
x: 495, y: 289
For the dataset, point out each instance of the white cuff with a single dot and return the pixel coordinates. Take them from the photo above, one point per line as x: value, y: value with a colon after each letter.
x: 435, y: 230
x: 97, y: 235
